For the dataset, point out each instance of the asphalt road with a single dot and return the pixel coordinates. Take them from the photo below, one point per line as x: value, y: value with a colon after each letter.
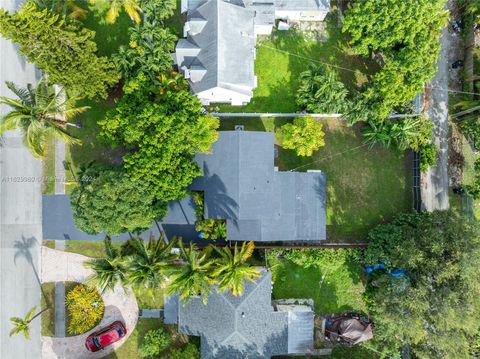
x: 435, y: 182
x: 20, y: 218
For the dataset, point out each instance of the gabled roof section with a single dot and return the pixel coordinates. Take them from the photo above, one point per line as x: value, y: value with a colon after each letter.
x: 224, y: 33
x: 302, y: 5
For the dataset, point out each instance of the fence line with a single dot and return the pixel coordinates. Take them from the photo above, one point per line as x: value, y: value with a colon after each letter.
x: 293, y: 114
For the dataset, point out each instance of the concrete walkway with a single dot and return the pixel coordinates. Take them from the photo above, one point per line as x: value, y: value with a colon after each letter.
x: 435, y: 182
x: 120, y: 304
x: 60, y: 300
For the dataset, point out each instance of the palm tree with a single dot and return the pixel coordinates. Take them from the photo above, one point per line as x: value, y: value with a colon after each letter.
x: 39, y: 112
x: 232, y: 268
x: 149, y: 264
x: 192, y: 277
x: 171, y: 81
x: 131, y: 7
x: 21, y: 325
x: 108, y: 271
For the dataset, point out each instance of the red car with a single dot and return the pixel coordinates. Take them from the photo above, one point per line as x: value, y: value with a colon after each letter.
x: 106, y: 336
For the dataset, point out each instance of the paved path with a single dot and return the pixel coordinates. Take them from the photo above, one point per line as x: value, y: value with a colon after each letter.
x: 20, y: 216
x: 435, y: 183
x: 120, y: 304
x: 60, y: 300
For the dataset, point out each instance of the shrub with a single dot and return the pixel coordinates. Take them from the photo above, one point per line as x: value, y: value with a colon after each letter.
x: 212, y: 228
x: 320, y: 91
x: 428, y: 157
x: 304, y: 136
x: 85, y: 309
x: 189, y: 352
x: 155, y: 342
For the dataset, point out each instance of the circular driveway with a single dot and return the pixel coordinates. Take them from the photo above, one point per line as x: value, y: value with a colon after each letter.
x: 120, y: 304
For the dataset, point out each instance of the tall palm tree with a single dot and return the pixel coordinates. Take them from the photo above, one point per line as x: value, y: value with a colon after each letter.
x: 149, y: 264
x: 109, y: 271
x: 131, y: 7
x: 21, y: 325
x: 232, y: 268
x: 39, y: 112
x: 193, y: 276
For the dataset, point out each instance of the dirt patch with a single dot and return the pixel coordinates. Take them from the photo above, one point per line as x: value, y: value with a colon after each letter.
x: 455, y: 156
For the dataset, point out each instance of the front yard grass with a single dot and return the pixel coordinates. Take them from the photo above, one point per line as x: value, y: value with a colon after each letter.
x: 284, y: 55
x: 48, y: 317
x: 364, y: 186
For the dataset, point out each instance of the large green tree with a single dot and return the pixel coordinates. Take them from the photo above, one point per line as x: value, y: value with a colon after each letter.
x: 434, y: 307
x: 39, y: 112
x: 106, y: 200
x: 404, y: 35
x: 304, y: 135
x: 162, y: 136
x: 61, y: 48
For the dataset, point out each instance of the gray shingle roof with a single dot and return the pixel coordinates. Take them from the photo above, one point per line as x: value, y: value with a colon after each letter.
x: 305, y: 5
x: 226, y: 41
x: 237, y: 327
x: 259, y: 203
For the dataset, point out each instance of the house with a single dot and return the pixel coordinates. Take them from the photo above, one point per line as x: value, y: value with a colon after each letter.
x: 218, y: 52
x: 258, y: 202
x: 250, y: 326
x: 241, y: 185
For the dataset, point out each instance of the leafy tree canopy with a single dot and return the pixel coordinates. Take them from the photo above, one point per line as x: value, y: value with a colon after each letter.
x: 435, y: 307
x: 162, y: 137
x: 320, y: 91
x: 304, y: 136
x: 405, y: 34
x: 62, y: 49
x: 108, y: 201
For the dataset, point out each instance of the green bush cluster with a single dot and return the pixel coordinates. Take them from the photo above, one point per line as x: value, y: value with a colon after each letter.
x: 190, y: 351
x: 473, y: 189
x: 85, y: 309
x: 209, y: 227
x: 154, y: 343
x: 304, y: 135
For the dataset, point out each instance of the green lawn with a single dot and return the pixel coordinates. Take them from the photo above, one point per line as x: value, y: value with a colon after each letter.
x: 335, y: 284
x: 94, y: 249
x: 48, y: 165
x: 364, y: 186
x: 129, y: 350
x: 48, y: 317
x: 284, y: 55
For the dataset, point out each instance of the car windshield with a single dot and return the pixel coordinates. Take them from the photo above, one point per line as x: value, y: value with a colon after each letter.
x: 119, y: 331
x: 96, y: 342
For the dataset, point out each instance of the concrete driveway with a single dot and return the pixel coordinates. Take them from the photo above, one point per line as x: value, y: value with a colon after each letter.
x: 20, y: 216
x: 120, y: 304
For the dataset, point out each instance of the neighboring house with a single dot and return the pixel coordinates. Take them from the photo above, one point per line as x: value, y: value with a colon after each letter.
x: 240, y: 185
x: 250, y: 326
x: 217, y: 56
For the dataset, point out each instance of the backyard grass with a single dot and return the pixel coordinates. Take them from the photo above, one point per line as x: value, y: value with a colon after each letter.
x: 335, y: 285
x: 284, y: 55
x: 48, y: 317
x: 129, y: 350
x: 364, y: 186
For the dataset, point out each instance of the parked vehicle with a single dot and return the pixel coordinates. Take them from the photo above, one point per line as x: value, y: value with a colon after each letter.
x: 106, y: 336
x: 347, y: 328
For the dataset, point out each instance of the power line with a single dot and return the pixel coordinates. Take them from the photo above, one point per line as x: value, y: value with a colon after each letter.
x: 327, y: 157
x: 355, y: 71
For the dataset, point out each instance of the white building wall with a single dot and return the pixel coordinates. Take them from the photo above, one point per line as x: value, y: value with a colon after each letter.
x: 263, y: 29
x: 300, y: 15
x: 221, y: 95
